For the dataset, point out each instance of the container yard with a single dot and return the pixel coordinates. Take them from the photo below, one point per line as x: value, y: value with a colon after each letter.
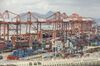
x: 34, y: 41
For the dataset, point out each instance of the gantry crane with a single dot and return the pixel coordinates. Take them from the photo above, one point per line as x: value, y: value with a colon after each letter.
x: 80, y: 24
x: 62, y: 24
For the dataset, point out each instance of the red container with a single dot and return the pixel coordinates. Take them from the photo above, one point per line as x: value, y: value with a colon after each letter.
x: 2, y: 46
x: 12, y: 58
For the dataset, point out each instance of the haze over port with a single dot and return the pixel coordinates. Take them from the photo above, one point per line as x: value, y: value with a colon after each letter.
x: 89, y: 8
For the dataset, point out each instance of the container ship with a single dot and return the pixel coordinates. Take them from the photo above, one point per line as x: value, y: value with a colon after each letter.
x: 58, y: 40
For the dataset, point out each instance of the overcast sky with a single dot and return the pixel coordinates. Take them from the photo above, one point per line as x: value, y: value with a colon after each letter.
x: 89, y: 8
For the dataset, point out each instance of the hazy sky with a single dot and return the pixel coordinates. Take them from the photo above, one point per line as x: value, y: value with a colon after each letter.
x: 90, y: 8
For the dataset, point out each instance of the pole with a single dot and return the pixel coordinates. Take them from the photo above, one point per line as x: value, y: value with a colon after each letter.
x: 7, y: 31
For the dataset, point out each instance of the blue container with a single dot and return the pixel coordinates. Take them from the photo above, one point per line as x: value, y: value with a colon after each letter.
x: 9, y: 45
x: 29, y: 51
x: 25, y: 53
x: 98, y: 43
x: 18, y: 53
x: 14, y: 53
x: 21, y: 53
